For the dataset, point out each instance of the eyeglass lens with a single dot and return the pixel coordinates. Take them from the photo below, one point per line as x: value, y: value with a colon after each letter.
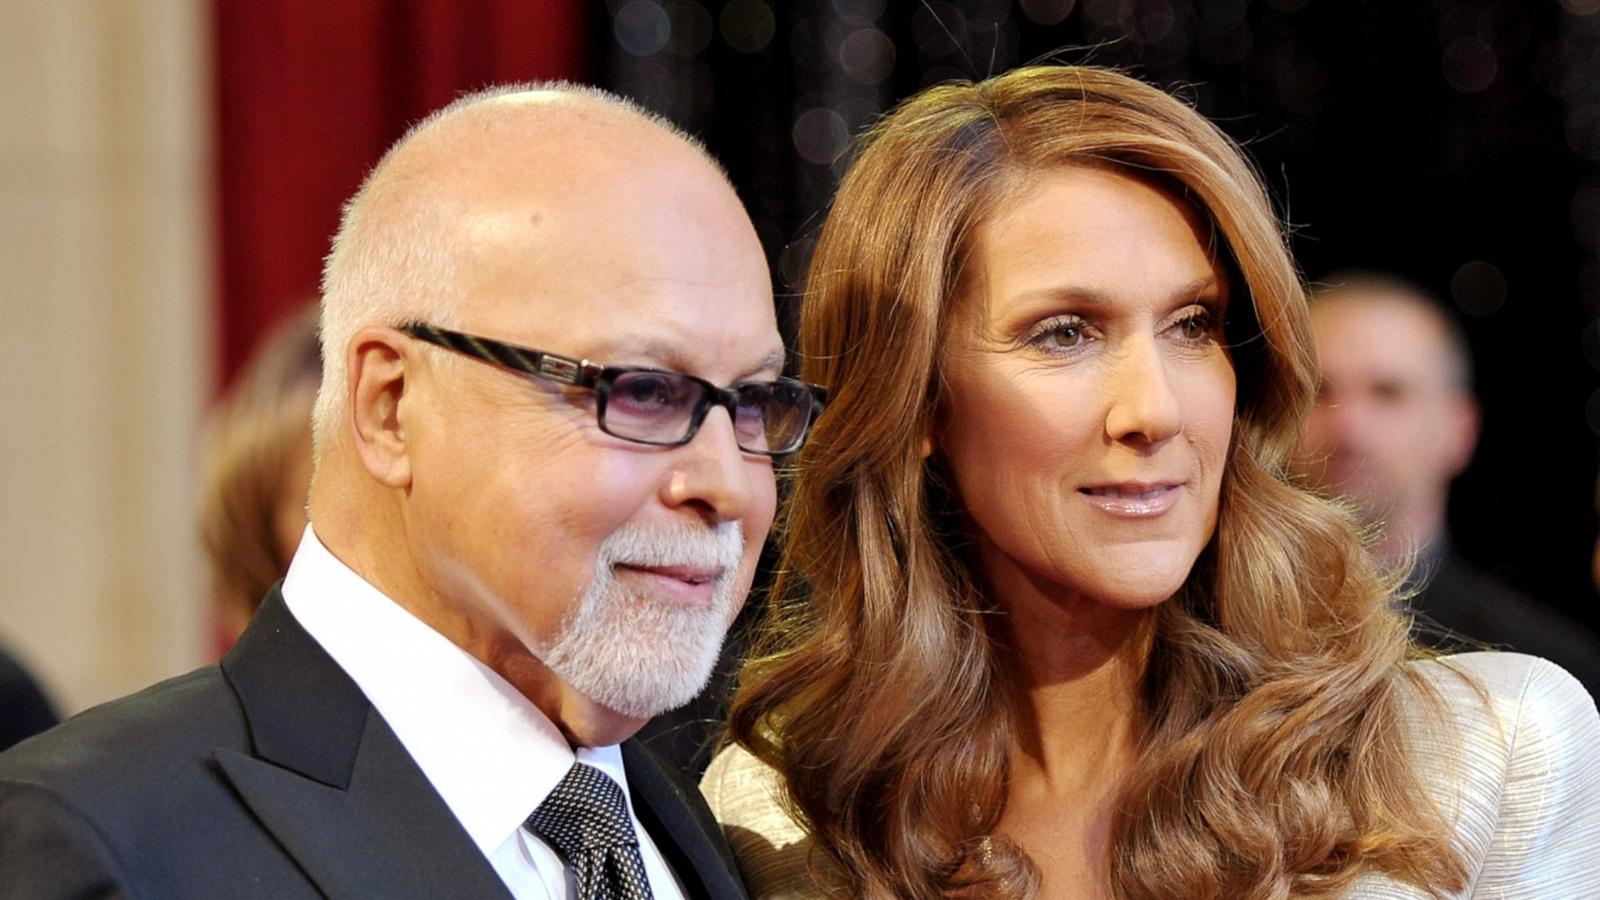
x: 660, y: 407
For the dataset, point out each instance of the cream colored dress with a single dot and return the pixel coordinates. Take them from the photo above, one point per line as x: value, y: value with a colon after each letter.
x: 1520, y: 779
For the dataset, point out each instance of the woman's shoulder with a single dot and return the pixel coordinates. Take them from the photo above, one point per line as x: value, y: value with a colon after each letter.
x: 1505, y: 677
x: 774, y: 852
x: 1505, y: 744
x: 1505, y: 705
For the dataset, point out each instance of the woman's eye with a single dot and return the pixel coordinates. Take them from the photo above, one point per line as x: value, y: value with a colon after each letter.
x: 1196, y: 327
x: 1059, y: 336
x: 1066, y: 335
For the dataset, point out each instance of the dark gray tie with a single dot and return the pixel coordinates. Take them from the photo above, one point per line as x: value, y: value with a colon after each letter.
x: 586, y: 820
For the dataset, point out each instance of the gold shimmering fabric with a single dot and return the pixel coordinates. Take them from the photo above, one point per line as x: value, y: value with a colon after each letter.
x: 1520, y: 777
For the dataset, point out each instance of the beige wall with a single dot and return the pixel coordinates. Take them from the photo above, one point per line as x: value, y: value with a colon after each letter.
x: 104, y: 340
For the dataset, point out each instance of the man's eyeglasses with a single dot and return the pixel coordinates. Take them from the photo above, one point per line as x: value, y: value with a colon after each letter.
x: 653, y: 406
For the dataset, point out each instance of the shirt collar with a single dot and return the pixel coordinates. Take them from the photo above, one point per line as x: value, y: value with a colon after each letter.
x: 489, y: 752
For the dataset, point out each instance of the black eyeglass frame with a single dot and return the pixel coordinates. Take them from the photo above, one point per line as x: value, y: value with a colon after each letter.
x: 582, y: 373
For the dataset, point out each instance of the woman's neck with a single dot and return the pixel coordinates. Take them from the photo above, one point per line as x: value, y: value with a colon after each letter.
x: 1077, y: 670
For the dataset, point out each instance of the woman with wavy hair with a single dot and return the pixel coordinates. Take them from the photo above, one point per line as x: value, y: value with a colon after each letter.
x: 1050, y: 619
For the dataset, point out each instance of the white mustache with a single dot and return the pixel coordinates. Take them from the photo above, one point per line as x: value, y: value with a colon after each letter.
x: 718, y: 547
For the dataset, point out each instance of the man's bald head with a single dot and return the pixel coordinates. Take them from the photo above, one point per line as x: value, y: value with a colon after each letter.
x: 401, y: 240
x: 593, y: 571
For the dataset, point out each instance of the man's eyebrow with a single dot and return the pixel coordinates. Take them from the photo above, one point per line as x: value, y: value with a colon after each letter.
x: 772, y: 363
x: 611, y: 353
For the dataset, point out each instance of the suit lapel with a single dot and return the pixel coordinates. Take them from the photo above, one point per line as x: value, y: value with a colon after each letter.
x: 681, y: 826
x: 331, y: 781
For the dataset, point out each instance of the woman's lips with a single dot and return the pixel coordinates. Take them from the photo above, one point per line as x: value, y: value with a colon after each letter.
x: 1133, y: 499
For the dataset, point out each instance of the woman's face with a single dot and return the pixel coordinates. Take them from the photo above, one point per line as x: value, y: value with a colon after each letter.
x: 1090, y: 396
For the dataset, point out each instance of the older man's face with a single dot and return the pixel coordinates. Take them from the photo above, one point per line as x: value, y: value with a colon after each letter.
x: 618, y: 566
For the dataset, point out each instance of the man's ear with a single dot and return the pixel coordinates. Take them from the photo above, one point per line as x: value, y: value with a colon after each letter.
x: 378, y: 365
x: 1460, y: 438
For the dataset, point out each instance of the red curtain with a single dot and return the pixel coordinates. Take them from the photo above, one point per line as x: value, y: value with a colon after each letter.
x: 310, y: 94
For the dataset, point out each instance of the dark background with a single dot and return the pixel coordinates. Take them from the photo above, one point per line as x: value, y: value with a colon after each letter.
x: 1450, y: 143
x: 1453, y: 143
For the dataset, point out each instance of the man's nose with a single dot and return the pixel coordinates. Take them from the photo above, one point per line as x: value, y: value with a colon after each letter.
x: 711, y: 473
x: 1144, y: 410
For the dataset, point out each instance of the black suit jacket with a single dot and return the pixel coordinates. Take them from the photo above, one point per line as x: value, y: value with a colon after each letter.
x: 24, y: 710
x: 271, y: 775
x: 1457, y: 600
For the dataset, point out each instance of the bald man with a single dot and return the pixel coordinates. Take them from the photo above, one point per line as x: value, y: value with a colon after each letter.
x: 544, y: 445
x: 1395, y: 422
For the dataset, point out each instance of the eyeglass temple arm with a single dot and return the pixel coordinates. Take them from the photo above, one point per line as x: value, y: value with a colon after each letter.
x: 576, y: 372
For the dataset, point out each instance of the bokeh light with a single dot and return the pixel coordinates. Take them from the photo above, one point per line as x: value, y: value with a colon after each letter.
x: 642, y: 27
x: 1470, y: 64
x: 819, y: 135
x: 1047, y: 12
x: 1478, y: 288
x: 747, y: 25
x: 867, y: 55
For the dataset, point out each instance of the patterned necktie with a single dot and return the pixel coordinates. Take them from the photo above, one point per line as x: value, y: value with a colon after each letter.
x: 586, y: 820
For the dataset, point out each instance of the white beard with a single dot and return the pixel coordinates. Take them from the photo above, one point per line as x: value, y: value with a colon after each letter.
x: 639, y: 655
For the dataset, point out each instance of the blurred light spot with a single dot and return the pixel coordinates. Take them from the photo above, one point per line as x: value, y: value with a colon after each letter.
x: 1478, y: 288
x: 819, y: 135
x: 867, y: 55
x: 1591, y: 343
x: 1047, y: 12
x: 691, y: 27
x: 937, y: 28
x: 1470, y: 64
x: 747, y: 25
x: 1581, y: 7
x: 862, y: 11
x: 642, y: 27
x: 1295, y: 80
x: 1155, y: 23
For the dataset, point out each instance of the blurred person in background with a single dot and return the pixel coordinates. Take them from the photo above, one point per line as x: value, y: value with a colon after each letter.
x: 258, y: 470
x: 1394, y: 423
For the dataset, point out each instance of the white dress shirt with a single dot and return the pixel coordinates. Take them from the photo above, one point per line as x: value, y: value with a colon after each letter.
x: 491, y: 754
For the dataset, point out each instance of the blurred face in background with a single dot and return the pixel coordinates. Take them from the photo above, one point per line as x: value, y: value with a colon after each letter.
x: 1090, y: 396
x: 1393, y: 422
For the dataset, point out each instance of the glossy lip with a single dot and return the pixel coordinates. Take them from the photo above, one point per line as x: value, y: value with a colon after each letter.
x: 691, y: 585
x: 1137, y: 500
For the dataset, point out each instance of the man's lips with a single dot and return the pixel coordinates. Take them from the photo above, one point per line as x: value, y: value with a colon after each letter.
x: 1135, y: 499
x: 685, y: 574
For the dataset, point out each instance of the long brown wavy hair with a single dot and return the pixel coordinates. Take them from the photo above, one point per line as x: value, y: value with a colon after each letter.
x: 1270, y: 760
